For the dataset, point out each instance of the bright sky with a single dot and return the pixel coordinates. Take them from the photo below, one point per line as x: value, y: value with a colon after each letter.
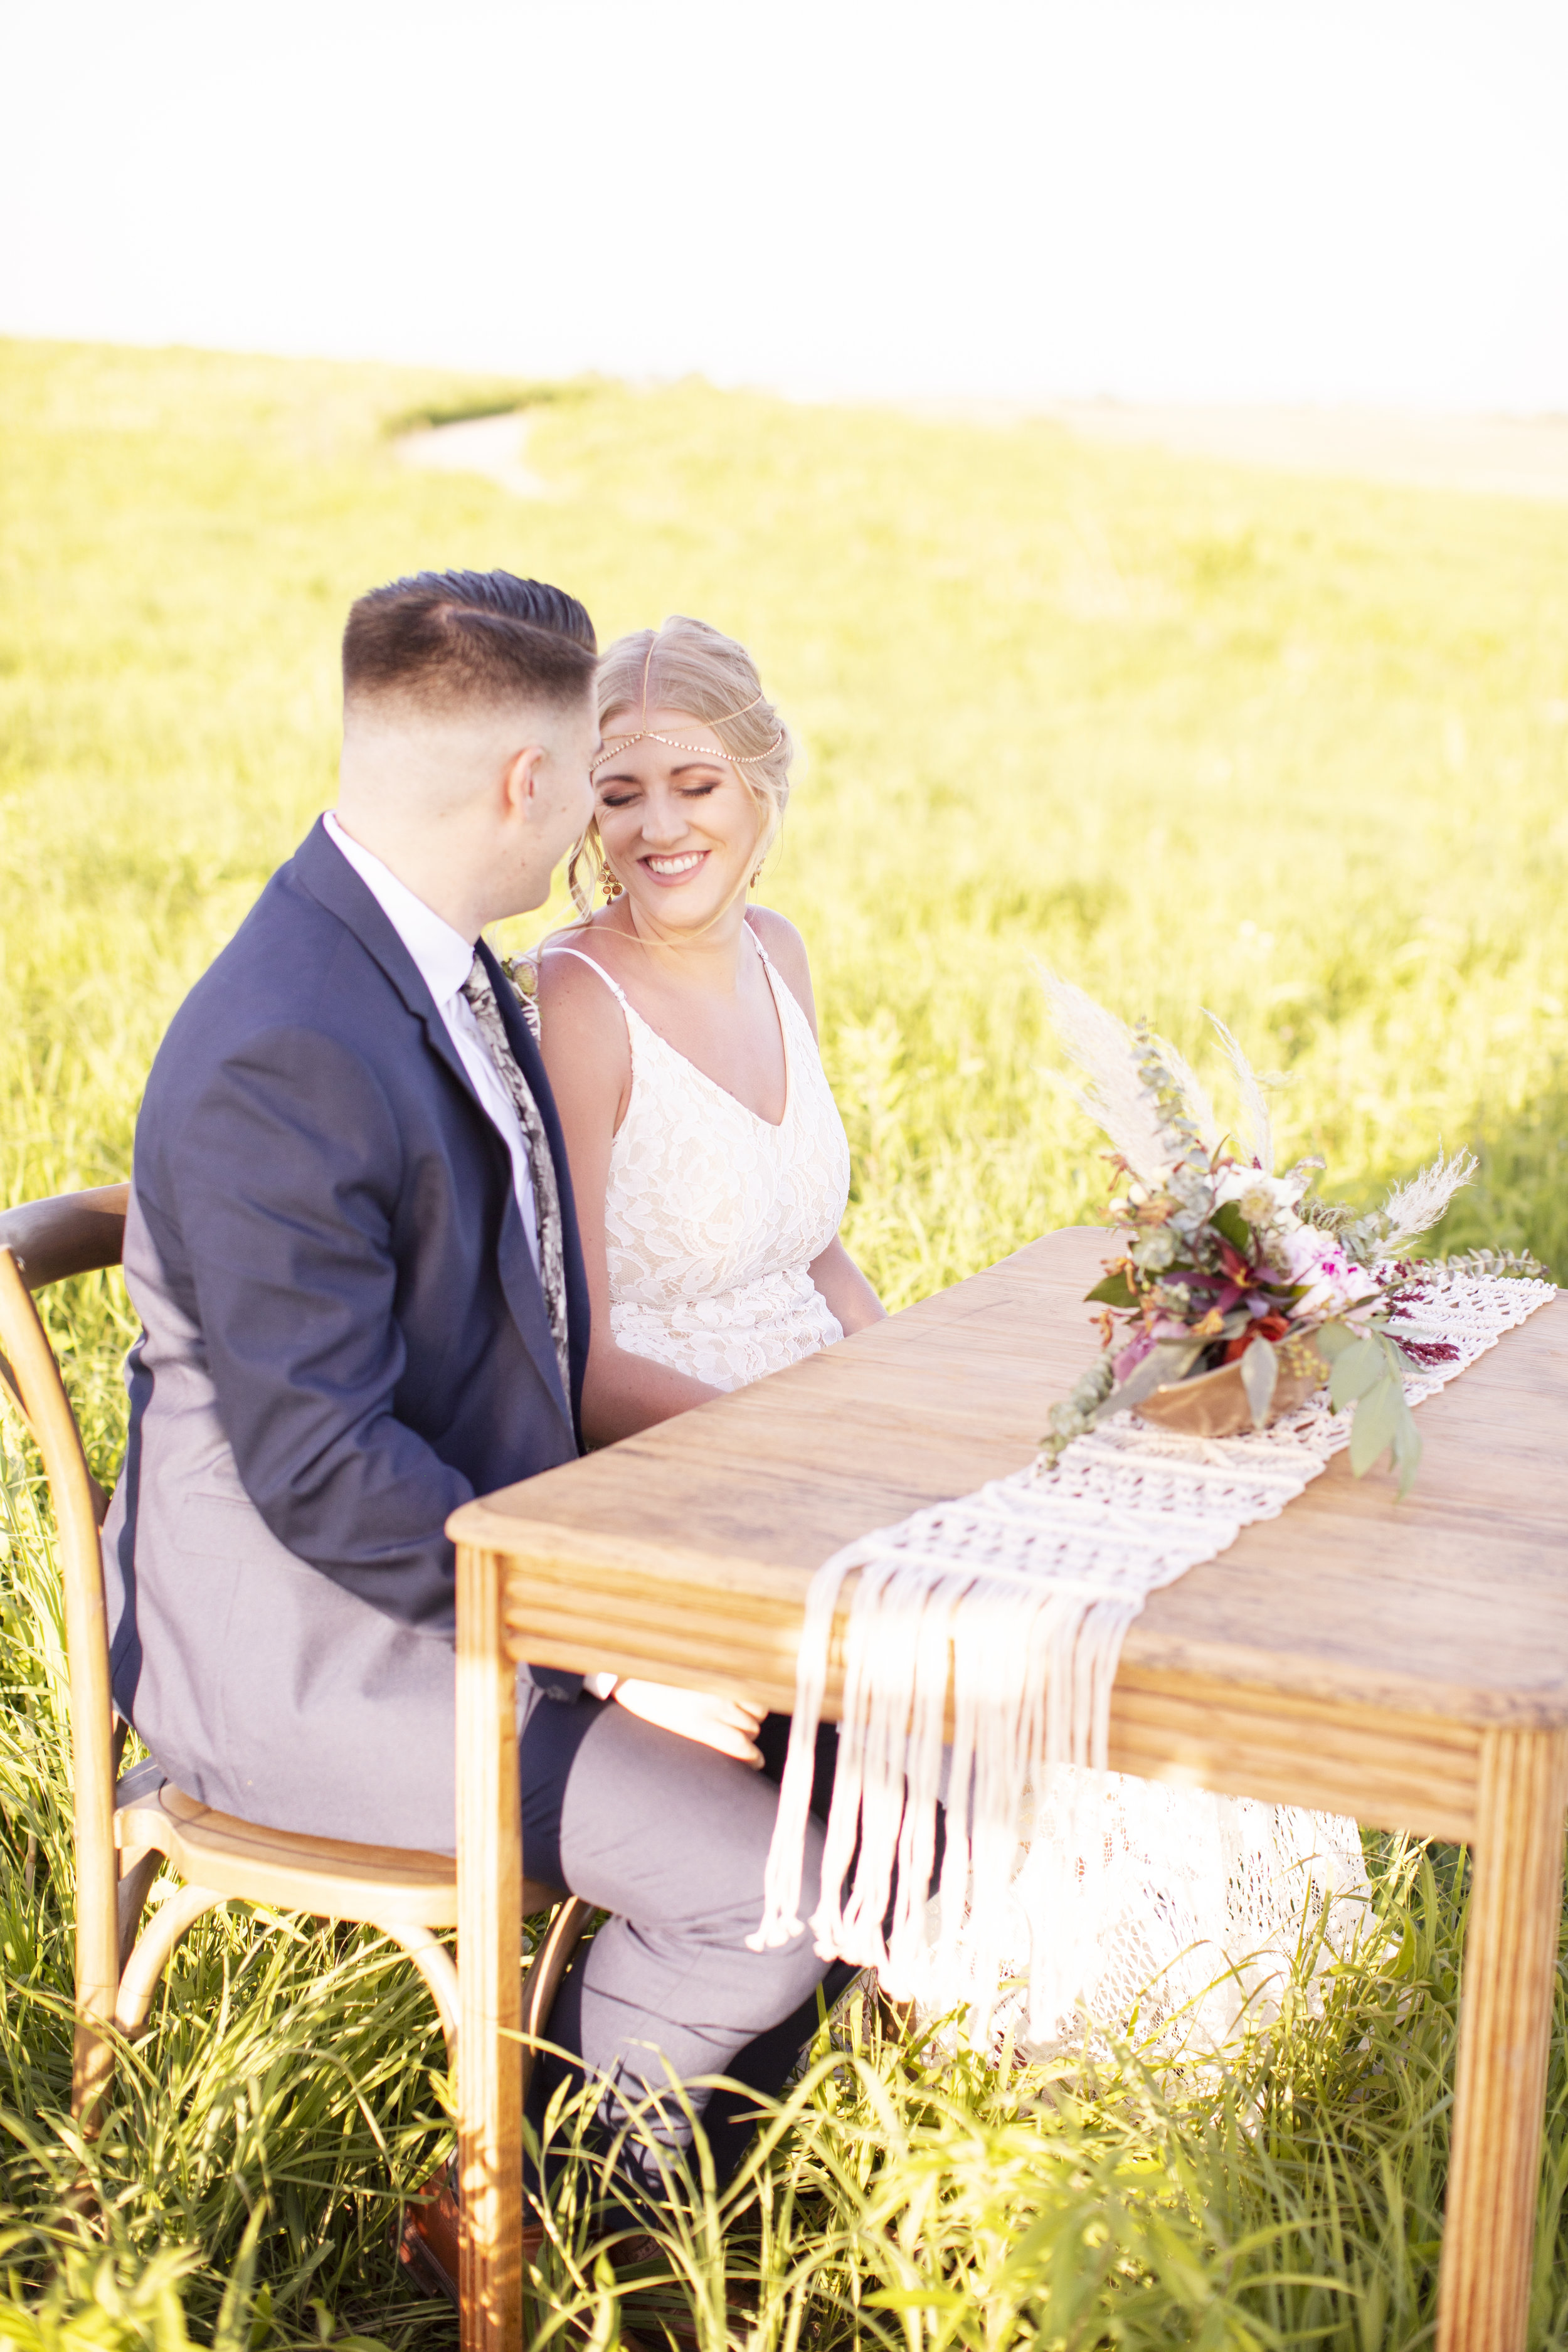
x: 1157, y: 199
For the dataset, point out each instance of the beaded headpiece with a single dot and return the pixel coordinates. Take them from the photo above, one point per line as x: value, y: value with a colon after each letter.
x: 646, y: 734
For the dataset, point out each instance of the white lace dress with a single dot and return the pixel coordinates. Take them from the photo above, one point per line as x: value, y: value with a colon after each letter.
x: 1171, y: 1917
x: 712, y: 1216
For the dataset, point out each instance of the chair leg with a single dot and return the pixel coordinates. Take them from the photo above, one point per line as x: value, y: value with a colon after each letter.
x: 138, y: 1869
x: 550, y: 1964
x: 437, y: 1966
x: 92, y: 2074
x: 171, y: 1922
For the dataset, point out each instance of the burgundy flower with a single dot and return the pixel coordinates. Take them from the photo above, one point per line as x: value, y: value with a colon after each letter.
x: 1429, y: 1351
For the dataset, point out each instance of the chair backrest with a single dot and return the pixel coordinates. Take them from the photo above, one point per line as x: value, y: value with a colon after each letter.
x: 42, y: 1242
x: 74, y: 1233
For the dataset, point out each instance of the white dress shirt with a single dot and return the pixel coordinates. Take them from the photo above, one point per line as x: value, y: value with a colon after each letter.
x: 444, y: 960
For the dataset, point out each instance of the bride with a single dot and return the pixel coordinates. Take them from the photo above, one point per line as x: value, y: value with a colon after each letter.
x: 710, y: 1172
x: 708, y: 1158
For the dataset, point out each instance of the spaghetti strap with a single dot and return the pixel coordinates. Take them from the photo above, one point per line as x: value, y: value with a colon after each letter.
x: 612, y: 985
x: 782, y: 992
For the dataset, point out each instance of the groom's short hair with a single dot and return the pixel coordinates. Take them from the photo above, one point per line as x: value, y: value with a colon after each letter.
x: 441, y: 640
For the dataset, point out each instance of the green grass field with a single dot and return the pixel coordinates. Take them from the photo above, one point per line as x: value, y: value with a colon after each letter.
x: 1294, y: 749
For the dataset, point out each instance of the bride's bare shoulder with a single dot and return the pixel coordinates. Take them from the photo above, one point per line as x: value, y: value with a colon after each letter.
x: 787, y: 950
x: 561, y: 957
x: 575, y: 1003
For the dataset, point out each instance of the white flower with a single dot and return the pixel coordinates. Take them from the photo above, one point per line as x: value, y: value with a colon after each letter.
x: 1263, y: 1200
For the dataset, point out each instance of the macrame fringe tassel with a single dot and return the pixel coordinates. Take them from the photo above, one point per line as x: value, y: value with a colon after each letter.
x: 786, y: 1856
x: 1029, y: 1665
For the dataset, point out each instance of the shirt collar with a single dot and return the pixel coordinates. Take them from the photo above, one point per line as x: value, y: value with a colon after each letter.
x: 443, y: 956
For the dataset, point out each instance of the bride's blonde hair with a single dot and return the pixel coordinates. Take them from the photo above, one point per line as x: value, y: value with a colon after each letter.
x: 689, y: 666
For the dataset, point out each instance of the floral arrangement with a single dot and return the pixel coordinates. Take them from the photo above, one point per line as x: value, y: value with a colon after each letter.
x: 1227, y: 1263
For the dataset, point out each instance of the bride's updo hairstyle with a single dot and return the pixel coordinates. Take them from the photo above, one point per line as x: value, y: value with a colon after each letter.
x: 688, y: 665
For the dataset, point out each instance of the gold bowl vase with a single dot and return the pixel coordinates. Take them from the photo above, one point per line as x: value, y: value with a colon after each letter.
x: 1216, y: 1404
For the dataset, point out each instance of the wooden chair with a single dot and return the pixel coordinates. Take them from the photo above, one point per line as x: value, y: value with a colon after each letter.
x: 125, y: 1833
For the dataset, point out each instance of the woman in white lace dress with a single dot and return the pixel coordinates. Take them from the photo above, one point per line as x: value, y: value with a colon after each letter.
x: 707, y: 1158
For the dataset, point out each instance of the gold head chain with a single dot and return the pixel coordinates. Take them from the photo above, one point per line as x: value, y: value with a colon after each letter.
x: 646, y: 734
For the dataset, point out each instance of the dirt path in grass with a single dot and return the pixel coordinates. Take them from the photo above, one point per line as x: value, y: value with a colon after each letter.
x: 492, y: 446
x: 1510, y: 457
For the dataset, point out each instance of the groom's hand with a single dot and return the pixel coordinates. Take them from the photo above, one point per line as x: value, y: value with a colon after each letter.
x: 730, y: 1724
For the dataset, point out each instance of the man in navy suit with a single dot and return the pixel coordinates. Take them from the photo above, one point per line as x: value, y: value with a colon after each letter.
x: 352, y: 1248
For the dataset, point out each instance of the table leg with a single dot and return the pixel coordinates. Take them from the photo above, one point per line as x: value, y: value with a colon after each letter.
x: 1505, y: 2028
x: 489, y: 1967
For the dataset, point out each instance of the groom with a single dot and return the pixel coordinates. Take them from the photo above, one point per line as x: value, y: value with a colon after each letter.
x: 352, y: 1248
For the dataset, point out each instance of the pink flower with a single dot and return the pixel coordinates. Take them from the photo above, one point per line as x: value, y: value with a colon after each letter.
x: 1335, y: 1280
x: 1132, y: 1354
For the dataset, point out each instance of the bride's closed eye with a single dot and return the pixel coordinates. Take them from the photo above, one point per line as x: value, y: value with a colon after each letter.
x: 688, y: 791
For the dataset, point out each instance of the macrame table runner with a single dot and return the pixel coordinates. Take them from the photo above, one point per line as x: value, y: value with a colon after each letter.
x: 1022, y: 1593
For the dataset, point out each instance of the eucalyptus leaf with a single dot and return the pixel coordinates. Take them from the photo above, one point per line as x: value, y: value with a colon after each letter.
x: 1359, y: 1367
x: 1376, y: 1425
x: 1260, y: 1378
x: 1331, y: 1340
x: 1407, y: 1446
x: 1171, y: 1360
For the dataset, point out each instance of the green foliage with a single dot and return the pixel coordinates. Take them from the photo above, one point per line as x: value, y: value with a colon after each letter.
x: 503, y: 398
x: 1500, y: 1265
x: 1369, y: 1372
x: 913, y: 2199
x: 1259, y: 1379
x: 1189, y: 734
x: 286, y: 2088
x: 1230, y: 1221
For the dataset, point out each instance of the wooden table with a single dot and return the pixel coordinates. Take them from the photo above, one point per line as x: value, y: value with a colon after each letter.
x: 1405, y: 1663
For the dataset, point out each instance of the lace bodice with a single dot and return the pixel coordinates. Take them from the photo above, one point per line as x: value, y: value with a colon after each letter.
x: 713, y: 1217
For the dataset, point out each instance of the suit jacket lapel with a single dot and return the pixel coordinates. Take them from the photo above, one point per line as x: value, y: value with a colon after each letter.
x: 331, y: 879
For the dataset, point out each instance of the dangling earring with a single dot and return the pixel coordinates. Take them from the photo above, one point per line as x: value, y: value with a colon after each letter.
x: 610, y: 886
x: 756, y: 880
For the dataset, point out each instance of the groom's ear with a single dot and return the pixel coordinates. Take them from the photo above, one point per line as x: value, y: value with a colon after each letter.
x: 520, y: 783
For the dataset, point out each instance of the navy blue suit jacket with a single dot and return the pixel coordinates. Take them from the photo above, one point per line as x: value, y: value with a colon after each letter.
x: 338, y: 1300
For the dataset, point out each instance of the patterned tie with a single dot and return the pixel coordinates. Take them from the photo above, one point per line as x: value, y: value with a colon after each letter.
x: 481, y: 997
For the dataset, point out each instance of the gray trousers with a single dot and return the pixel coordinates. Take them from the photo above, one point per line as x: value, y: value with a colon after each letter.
x: 672, y: 1839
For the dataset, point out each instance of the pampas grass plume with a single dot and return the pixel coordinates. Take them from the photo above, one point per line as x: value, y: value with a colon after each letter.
x: 1415, y: 1208
x: 1259, y: 1137
x: 1102, y: 1047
